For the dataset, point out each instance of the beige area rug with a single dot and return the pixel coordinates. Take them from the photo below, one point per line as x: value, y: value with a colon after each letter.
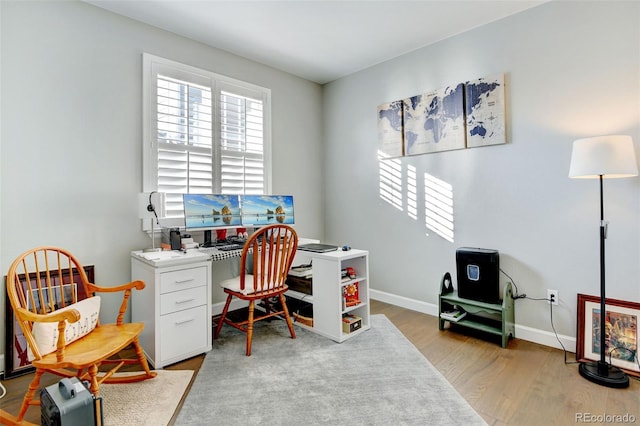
x: 150, y: 402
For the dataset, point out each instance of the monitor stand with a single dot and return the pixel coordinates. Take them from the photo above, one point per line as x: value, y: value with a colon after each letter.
x: 207, y: 239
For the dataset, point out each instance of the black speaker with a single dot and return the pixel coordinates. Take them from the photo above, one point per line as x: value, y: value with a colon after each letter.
x: 478, y: 274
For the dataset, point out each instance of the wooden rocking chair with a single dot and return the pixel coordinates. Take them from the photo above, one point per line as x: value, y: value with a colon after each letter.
x: 273, y: 248
x: 64, y: 335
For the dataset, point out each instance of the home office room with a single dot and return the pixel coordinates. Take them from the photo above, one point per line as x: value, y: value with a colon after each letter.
x: 476, y: 183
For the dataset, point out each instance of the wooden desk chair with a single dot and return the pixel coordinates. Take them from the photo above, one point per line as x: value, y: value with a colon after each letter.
x: 273, y: 248
x: 64, y: 335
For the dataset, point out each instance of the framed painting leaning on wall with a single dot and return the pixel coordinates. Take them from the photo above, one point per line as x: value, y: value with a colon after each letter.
x: 16, y: 358
x: 621, y: 334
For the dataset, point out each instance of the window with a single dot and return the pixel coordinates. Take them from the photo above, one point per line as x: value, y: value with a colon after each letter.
x: 204, y: 133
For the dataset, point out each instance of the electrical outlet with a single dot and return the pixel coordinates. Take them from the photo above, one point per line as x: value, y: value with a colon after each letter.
x: 552, y: 296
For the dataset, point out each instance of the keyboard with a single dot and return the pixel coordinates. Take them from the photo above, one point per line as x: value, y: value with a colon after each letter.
x: 230, y: 247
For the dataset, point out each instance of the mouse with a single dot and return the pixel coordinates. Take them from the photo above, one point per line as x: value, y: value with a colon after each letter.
x: 346, y: 248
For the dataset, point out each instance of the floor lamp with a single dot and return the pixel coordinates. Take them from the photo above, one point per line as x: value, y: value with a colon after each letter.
x: 598, y: 158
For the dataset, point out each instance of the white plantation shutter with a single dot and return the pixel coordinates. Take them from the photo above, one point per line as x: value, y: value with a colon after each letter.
x: 184, y: 139
x: 204, y: 133
x: 241, y: 144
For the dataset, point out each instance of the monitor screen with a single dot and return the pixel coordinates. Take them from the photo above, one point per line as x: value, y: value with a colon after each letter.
x: 206, y: 211
x: 260, y: 210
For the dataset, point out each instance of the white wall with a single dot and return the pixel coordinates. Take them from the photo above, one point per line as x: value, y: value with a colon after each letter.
x: 70, y: 147
x: 572, y: 70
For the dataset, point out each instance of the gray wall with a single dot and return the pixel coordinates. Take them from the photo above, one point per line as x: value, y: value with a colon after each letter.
x: 71, y: 130
x: 572, y: 70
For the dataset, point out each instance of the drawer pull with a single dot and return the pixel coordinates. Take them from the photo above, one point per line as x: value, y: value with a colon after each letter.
x: 184, y: 321
x: 185, y: 300
x: 186, y: 280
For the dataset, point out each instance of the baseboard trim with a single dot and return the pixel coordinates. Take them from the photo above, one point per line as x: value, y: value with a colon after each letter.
x: 529, y: 334
x: 546, y: 338
x: 404, y: 302
x: 216, y: 308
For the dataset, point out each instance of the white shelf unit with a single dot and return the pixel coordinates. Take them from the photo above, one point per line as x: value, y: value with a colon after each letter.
x: 175, y: 307
x: 328, y: 291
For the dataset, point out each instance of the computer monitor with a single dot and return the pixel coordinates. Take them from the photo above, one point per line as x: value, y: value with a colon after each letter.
x: 211, y: 211
x: 261, y: 210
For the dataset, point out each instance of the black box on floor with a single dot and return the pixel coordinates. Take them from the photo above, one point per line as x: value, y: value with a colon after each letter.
x: 478, y: 271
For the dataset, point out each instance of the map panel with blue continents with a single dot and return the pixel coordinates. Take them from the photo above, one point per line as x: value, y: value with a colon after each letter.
x: 485, y: 111
x: 390, y: 129
x: 435, y: 121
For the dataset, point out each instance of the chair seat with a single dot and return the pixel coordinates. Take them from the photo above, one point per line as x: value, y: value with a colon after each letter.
x: 103, y: 342
x: 233, y: 284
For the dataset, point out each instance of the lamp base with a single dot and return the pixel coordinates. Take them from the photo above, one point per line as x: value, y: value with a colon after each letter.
x: 604, y: 374
x: 151, y: 249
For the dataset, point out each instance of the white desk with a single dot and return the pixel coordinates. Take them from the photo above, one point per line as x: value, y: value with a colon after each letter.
x: 169, y: 258
x: 175, y: 305
x: 328, y: 287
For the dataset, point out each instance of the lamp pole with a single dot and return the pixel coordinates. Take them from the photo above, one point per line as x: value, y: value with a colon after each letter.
x: 603, y: 368
x: 601, y: 372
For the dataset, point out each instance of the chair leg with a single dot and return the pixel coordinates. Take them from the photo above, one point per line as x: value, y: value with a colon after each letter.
x: 283, y: 302
x: 250, y: 327
x: 28, y: 397
x: 143, y: 359
x: 222, y: 317
x: 94, y: 387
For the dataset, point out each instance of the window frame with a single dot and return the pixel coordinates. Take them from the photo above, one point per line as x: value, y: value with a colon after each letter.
x: 154, y: 65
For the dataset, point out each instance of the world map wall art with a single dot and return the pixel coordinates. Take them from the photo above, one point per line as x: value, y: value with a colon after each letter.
x: 466, y: 115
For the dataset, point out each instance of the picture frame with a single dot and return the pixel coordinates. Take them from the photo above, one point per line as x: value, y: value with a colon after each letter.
x: 390, y: 129
x: 485, y: 111
x: 16, y: 361
x: 622, y: 323
x: 434, y: 121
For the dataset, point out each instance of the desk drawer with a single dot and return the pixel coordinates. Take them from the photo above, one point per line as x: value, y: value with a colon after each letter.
x: 181, y: 300
x: 183, y: 332
x: 183, y: 279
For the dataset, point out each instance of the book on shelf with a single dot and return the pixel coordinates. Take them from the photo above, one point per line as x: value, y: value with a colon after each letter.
x: 350, y: 295
x: 455, y: 315
x: 301, y: 271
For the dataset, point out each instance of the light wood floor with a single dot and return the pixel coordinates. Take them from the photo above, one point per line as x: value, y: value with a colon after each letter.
x: 525, y: 384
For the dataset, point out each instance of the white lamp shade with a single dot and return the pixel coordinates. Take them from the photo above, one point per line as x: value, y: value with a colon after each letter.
x: 607, y: 156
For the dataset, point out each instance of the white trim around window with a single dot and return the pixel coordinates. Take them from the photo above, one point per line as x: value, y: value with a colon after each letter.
x: 215, y: 145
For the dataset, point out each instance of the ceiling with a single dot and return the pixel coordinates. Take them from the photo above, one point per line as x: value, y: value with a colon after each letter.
x: 322, y: 40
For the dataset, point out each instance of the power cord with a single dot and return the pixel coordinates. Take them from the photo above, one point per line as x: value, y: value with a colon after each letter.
x: 634, y: 353
x: 516, y: 296
x: 3, y: 390
x: 556, y: 333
